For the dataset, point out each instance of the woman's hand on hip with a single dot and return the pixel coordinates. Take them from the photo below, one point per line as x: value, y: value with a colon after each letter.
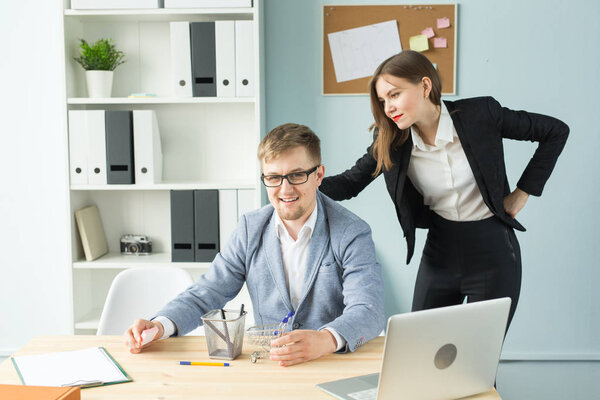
x: 514, y: 202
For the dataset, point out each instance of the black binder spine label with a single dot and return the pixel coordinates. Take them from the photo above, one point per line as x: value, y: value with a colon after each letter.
x: 119, y: 147
x: 182, y: 225
x: 204, y: 65
x: 206, y: 229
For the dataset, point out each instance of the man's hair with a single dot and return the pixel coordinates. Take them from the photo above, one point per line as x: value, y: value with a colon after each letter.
x: 286, y: 137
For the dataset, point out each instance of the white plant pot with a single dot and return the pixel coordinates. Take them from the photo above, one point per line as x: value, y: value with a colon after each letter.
x: 99, y: 83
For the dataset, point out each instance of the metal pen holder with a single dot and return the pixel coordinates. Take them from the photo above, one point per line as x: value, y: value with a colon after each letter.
x: 224, y: 330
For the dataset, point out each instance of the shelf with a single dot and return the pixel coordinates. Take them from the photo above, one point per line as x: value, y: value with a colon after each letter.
x: 90, y: 321
x: 160, y: 100
x: 119, y: 261
x: 161, y: 14
x: 208, y: 143
x: 221, y: 185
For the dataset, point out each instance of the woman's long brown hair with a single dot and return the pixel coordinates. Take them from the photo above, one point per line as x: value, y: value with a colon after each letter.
x: 412, y: 66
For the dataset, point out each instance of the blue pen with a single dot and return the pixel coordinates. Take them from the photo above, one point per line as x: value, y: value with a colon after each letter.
x: 207, y: 364
x: 287, y: 317
x: 284, y: 322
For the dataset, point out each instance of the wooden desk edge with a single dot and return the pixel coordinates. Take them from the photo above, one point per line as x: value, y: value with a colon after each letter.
x: 367, y: 358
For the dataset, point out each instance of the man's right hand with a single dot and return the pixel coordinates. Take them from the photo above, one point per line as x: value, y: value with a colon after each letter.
x: 133, y: 335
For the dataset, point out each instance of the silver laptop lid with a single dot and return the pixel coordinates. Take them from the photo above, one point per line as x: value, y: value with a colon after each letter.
x: 443, y: 353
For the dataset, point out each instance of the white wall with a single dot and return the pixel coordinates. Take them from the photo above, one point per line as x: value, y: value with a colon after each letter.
x: 35, y: 285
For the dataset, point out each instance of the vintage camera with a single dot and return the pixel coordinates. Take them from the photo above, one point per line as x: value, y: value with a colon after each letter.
x: 136, y: 244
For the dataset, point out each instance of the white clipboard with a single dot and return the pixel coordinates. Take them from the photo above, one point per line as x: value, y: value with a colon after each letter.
x: 85, y: 368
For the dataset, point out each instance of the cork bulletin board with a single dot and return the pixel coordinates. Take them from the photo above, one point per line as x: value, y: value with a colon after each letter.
x: 412, y: 20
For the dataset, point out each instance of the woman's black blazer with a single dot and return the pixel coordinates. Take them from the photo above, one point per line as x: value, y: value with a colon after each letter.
x: 481, y: 123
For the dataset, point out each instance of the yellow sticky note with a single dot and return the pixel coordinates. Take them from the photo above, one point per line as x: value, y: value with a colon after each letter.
x: 419, y: 43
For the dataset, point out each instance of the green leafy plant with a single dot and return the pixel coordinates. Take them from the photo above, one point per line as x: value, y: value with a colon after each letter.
x: 100, y: 56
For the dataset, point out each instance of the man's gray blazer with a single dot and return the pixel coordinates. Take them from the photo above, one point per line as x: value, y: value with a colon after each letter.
x: 343, y: 288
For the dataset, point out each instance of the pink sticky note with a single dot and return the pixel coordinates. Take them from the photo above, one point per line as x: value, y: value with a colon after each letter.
x: 428, y: 32
x: 443, y: 23
x: 440, y: 43
x: 148, y: 335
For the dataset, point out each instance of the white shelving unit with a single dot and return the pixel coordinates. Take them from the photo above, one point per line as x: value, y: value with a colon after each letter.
x: 166, y: 14
x: 224, y: 185
x: 159, y: 100
x: 207, y: 142
x: 119, y: 261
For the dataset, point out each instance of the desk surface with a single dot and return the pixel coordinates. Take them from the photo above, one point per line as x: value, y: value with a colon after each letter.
x: 157, y: 375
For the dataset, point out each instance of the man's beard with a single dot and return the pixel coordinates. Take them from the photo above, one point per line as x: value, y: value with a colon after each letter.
x: 291, y: 215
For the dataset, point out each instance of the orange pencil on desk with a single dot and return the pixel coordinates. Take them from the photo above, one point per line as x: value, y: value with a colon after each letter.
x: 208, y: 364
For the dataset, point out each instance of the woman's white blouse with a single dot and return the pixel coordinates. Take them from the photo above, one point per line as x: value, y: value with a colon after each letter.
x: 442, y: 174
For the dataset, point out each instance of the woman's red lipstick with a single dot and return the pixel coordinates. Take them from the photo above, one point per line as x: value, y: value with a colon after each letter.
x: 397, y: 117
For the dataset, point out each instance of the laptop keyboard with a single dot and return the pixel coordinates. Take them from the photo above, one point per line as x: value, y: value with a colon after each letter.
x: 369, y: 394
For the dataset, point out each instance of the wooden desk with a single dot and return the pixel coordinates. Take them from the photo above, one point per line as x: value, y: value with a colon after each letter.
x: 157, y: 375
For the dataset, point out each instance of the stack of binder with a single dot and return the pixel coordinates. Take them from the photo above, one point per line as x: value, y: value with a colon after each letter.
x: 211, y: 59
x: 194, y: 225
x: 114, y: 147
x: 203, y: 220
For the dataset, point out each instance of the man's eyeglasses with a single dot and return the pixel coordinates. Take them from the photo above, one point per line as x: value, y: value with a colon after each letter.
x: 295, y: 178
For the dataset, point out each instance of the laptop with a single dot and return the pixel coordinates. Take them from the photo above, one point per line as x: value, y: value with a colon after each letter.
x: 438, y: 354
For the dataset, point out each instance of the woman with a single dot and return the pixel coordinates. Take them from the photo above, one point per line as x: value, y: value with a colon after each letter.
x: 443, y: 164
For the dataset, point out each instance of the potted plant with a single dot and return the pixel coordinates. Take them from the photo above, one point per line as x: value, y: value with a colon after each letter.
x: 99, y: 61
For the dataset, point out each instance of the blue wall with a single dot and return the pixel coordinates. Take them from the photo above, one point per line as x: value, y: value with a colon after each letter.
x: 537, y: 55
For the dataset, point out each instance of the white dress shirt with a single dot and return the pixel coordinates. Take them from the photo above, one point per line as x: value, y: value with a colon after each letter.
x: 442, y: 174
x: 293, y: 255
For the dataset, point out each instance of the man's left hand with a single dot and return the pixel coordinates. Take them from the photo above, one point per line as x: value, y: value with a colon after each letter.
x: 299, y: 346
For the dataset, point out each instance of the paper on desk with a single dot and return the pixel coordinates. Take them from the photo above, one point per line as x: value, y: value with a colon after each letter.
x: 358, y: 52
x: 69, y: 368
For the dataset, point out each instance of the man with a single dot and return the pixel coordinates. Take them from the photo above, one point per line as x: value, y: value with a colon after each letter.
x: 303, y: 252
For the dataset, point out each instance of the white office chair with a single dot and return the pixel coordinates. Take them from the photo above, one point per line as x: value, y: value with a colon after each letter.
x: 140, y: 293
